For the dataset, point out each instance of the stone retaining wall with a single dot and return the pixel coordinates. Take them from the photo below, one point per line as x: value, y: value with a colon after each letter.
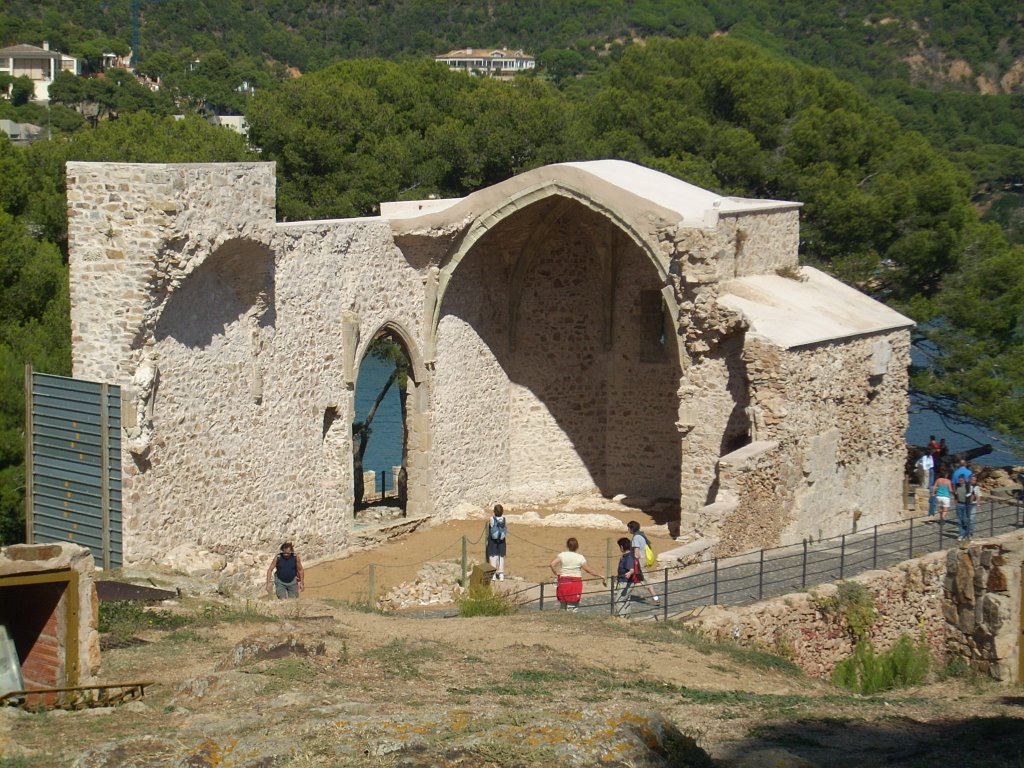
x: 908, y: 598
x: 982, y: 606
x: 964, y: 603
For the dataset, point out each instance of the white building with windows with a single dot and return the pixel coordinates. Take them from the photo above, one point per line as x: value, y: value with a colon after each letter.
x: 489, y: 62
x: 40, y: 65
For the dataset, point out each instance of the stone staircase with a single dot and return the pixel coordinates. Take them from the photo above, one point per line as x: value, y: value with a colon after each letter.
x: 707, y: 521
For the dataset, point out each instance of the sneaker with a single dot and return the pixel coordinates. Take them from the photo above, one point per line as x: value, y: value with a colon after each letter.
x: 656, y: 599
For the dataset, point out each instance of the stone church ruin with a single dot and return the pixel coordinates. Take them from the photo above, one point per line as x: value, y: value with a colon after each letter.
x: 593, y: 327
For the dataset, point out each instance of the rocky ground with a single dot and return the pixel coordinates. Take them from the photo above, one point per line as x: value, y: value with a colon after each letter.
x: 249, y: 682
x: 319, y: 683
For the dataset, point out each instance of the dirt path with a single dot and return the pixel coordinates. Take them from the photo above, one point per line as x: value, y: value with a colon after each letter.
x: 531, y: 548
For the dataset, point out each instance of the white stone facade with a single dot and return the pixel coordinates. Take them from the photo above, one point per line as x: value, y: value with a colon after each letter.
x: 587, y: 327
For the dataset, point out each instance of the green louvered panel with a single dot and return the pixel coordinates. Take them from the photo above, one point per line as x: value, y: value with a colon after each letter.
x: 76, y: 464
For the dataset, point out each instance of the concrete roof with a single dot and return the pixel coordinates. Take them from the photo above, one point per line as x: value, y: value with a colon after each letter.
x: 481, y: 53
x: 793, y: 313
x: 692, y: 203
x: 28, y: 52
x: 639, y: 194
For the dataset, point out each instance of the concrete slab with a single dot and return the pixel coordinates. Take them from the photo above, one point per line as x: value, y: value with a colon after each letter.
x: 795, y: 313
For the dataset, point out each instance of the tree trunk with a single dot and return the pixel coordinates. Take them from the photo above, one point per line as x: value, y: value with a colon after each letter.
x: 361, y: 438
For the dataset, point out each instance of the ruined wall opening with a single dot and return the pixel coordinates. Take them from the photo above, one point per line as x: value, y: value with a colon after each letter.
x: 380, y: 429
x: 40, y: 612
x: 553, y: 372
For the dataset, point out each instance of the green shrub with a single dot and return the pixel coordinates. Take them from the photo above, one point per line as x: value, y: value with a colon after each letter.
x: 125, y: 617
x: 483, y: 601
x: 222, y: 613
x: 867, y: 671
x: 855, y: 603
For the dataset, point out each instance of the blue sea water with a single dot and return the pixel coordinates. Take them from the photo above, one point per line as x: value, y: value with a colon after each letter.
x: 385, y: 448
x: 960, y: 435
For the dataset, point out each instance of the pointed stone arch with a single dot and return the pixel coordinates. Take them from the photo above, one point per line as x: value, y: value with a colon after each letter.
x: 535, y: 318
x: 521, y: 200
x: 415, y: 416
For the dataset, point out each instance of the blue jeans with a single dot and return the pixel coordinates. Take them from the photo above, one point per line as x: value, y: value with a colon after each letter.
x: 967, y: 516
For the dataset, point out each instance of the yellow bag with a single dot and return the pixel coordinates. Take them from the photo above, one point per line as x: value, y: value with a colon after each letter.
x: 649, y: 556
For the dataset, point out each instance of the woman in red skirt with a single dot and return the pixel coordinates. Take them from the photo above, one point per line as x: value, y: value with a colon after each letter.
x: 569, y: 567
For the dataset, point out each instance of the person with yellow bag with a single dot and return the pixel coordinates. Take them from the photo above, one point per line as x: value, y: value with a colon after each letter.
x: 644, y: 555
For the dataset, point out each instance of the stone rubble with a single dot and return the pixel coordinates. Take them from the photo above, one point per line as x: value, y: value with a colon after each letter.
x: 435, y: 584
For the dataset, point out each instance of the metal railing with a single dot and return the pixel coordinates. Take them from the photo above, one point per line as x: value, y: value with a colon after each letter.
x: 753, y: 576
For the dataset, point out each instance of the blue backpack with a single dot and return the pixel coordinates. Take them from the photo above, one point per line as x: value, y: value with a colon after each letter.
x: 498, y: 528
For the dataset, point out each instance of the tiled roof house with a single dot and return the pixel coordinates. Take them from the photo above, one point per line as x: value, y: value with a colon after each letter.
x: 491, y: 62
x: 40, y: 65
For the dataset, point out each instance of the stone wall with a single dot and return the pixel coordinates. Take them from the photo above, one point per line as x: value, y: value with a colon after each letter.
x: 757, y: 243
x: 560, y: 344
x: 134, y: 232
x: 982, y: 606
x: 576, y: 393
x: 837, y: 416
x: 964, y: 603
x: 908, y: 600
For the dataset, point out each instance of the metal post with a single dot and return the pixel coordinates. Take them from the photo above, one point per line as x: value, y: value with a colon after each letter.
x: 803, y: 568
x: 611, y: 595
x: 105, y: 475
x: 608, y: 559
x: 715, y: 599
x: 991, y: 518
x: 372, y: 586
x: 874, y: 550
x: 29, y: 491
x: 541, y: 604
x: 842, y: 556
x: 760, y: 577
x: 664, y: 597
x: 465, y: 561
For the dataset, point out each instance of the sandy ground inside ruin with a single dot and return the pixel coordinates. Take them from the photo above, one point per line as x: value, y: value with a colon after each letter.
x: 531, y: 547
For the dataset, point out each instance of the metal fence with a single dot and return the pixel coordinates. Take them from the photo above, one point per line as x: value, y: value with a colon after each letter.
x: 750, y: 577
x: 73, y: 464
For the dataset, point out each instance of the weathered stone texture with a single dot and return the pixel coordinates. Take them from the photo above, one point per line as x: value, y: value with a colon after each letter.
x: 982, y: 599
x: 839, y: 428
x: 940, y: 598
x: 907, y: 599
x: 565, y: 336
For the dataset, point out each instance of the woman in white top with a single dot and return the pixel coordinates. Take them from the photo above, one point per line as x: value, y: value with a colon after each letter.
x: 569, y: 567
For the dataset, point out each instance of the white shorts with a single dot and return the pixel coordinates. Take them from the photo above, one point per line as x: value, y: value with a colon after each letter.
x: 943, y: 501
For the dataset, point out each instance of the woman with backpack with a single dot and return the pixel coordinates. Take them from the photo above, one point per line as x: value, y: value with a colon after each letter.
x: 569, y: 567
x: 497, y: 531
x: 641, y: 544
x: 627, y: 576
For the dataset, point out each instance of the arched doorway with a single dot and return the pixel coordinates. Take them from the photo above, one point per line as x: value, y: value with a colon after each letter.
x: 380, y: 430
x: 557, y: 370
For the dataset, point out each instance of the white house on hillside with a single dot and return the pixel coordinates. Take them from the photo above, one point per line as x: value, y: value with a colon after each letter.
x: 491, y: 62
x: 40, y: 65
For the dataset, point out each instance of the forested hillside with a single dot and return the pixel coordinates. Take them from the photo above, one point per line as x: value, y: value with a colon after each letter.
x: 910, y: 170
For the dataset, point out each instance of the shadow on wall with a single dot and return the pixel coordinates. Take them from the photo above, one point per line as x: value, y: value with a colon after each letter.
x: 235, y: 281
x: 562, y: 303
